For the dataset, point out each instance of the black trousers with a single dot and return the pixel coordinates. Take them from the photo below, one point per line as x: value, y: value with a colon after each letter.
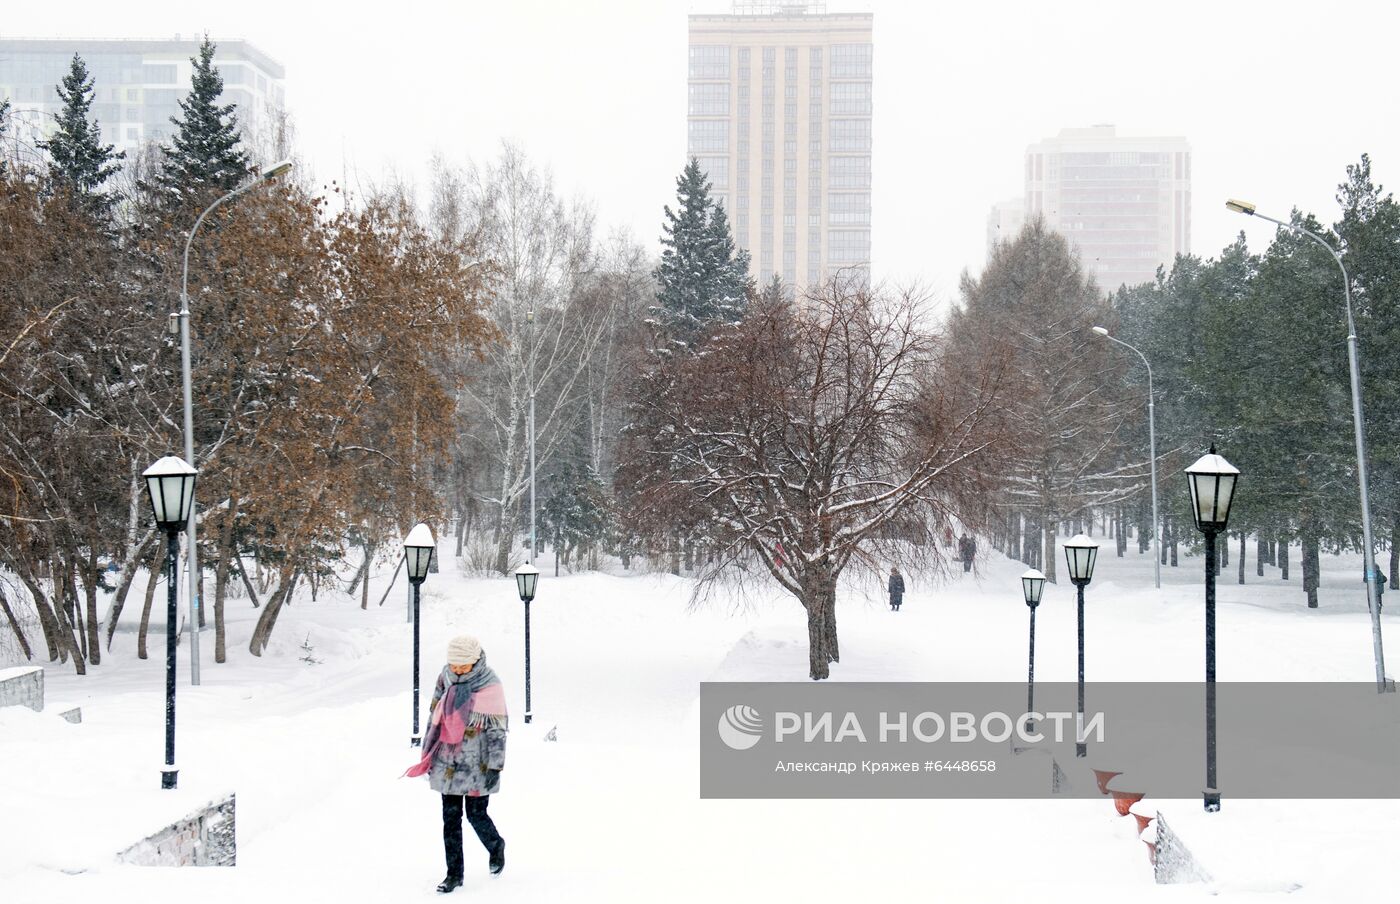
x: 453, y: 805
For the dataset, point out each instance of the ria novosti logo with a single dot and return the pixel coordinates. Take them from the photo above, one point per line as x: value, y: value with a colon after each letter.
x: 740, y: 727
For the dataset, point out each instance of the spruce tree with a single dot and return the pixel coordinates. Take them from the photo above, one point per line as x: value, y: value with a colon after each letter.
x: 205, y: 157
x: 4, y: 124
x: 78, y: 160
x: 702, y: 278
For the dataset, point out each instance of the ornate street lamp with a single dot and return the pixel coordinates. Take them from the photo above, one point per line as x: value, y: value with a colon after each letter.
x: 1032, y: 586
x: 526, y: 577
x: 418, y: 549
x: 170, y: 486
x: 1213, y: 481
x: 1081, y: 553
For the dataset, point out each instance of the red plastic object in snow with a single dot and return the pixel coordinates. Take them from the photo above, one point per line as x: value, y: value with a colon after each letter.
x: 1143, y: 821
x: 1103, y: 777
x: 1123, y: 800
x: 1151, y: 851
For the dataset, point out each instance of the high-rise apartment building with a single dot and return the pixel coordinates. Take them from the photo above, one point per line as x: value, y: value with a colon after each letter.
x: 779, y: 116
x: 137, y: 83
x: 1004, y: 222
x: 1124, y: 203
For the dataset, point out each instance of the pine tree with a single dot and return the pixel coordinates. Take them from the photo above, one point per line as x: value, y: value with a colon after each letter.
x: 205, y: 157
x: 78, y: 160
x: 703, y: 278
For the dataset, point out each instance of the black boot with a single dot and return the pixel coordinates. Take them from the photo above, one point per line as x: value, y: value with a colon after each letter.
x: 498, y: 857
x: 450, y: 884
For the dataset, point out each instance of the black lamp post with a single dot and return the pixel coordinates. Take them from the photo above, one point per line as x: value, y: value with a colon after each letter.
x: 418, y: 555
x: 1212, y: 480
x: 170, y: 485
x: 1032, y: 585
x: 1080, y: 555
x: 526, y: 577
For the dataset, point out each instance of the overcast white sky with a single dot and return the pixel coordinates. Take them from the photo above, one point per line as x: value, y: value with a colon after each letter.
x: 1275, y: 97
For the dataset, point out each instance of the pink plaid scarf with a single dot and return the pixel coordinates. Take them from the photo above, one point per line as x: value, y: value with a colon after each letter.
x: 477, y: 703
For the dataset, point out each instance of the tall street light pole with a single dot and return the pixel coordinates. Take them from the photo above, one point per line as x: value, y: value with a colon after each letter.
x: 527, y: 577
x: 1213, y: 481
x: 1080, y: 555
x: 1152, y: 451
x: 418, y: 556
x: 170, y: 486
x: 267, y: 175
x: 1359, y: 425
x: 531, y: 557
x: 1032, y: 586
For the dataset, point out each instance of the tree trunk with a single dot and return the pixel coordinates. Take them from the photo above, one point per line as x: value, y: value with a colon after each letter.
x: 1174, y: 542
x: 1261, y: 552
x: 262, y: 632
x: 154, y: 573
x: 1395, y: 554
x: 14, y: 625
x: 1242, y: 542
x: 94, y: 628
x: 1223, y: 560
x: 392, y: 579
x: 61, y: 612
x: 247, y: 584
x: 73, y: 609
x: 226, y: 553
x: 1283, y: 556
x: 1049, y: 552
x: 673, y: 544
x: 130, y: 568
x: 369, y: 558
x: 1311, y: 579
x: 689, y: 554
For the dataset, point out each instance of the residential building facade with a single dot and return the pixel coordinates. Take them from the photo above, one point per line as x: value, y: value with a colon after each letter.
x: 138, y: 85
x: 779, y: 115
x: 1123, y: 202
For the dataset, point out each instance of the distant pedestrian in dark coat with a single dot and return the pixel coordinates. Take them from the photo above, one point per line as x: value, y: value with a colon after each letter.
x: 967, y: 548
x: 896, y: 588
x: 465, y: 751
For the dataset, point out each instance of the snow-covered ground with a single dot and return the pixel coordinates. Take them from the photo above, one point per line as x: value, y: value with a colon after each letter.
x: 611, y: 810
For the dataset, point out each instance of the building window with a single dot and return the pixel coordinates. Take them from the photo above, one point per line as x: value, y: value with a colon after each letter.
x: 768, y: 185
x: 848, y: 246
x: 743, y: 109
x: 717, y: 169
x: 708, y: 135
x: 768, y: 164
x: 790, y: 202
x: 790, y: 91
x: 790, y: 183
x: 850, y: 172
x: 768, y: 148
x: 790, y: 128
x: 850, y: 99
x: 848, y: 135
x: 789, y: 166
x: 814, y: 147
x: 743, y: 92
x: 790, y: 220
x: 790, y: 148
x: 768, y: 111
x: 770, y: 54
x: 849, y: 209
x: 790, y: 56
x: 709, y: 61
x: 790, y: 111
x: 851, y: 60
x: 743, y: 56
x: 709, y: 99
x: 814, y: 219
x: 814, y: 183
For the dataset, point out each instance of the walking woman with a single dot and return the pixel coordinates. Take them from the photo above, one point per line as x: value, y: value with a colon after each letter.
x: 464, y: 752
x: 896, y: 588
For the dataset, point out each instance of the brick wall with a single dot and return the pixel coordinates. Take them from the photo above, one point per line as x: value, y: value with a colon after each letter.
x: 22, y: 686
x: 204, y: 838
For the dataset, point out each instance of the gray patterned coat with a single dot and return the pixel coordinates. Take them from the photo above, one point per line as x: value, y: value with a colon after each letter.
x: 473, y: 768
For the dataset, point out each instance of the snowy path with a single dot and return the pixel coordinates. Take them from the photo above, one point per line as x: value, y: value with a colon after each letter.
x: 611, y: 811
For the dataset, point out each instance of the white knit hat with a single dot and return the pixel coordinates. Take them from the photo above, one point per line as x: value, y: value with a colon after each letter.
x: 463, y: 650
